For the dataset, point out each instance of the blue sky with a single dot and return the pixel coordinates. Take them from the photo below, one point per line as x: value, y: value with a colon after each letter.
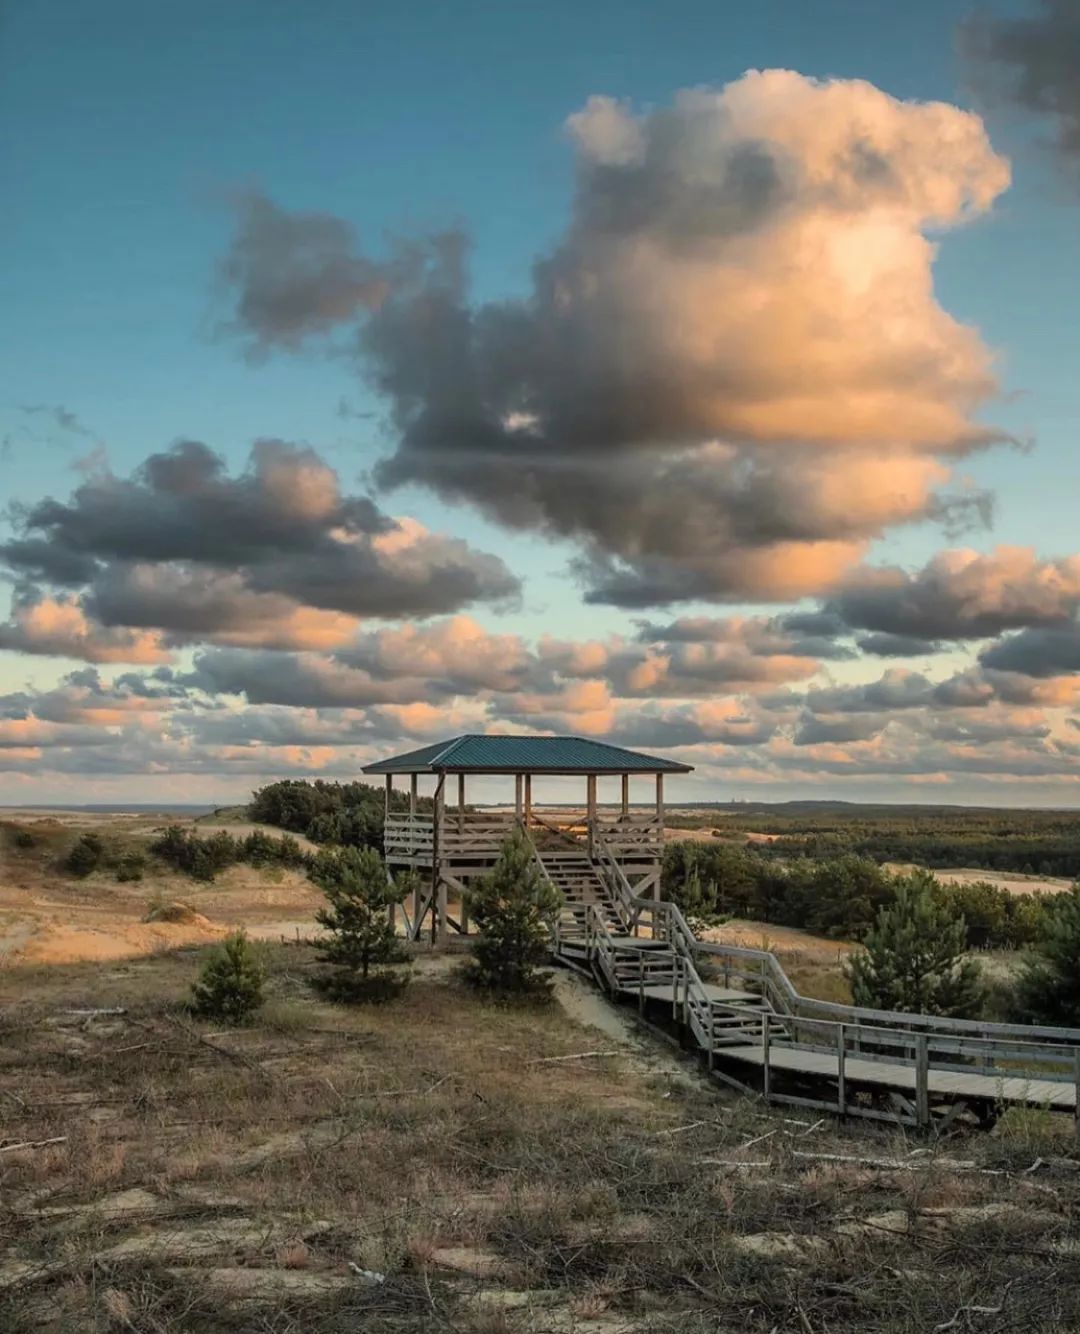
x: 128, y: 129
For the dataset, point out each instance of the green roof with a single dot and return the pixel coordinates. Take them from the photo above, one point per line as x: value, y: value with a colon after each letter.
x: 525, y: 754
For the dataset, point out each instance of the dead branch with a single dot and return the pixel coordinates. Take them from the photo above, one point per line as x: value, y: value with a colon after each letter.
x: 574, y: 1056
x: 33, y: 1144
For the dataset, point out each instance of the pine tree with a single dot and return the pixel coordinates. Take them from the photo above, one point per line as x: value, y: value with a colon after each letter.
x: 513, y: 906
x: 362, y: 943
x: 914, y: 956
x: 1048, y: 988
x: 229, y: 988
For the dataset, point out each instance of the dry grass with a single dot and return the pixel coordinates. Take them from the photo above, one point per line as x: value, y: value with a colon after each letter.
x: 218, y: 1180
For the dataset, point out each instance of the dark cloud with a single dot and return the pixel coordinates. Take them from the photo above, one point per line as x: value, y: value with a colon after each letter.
x: 815, y: 730
x: 294, y: 274
x: 896, y: 689
x: 1033, y: 60
x: 1036, y: 652
x: 959, y: 594
x: 883, y: 645
x: 273, y: 556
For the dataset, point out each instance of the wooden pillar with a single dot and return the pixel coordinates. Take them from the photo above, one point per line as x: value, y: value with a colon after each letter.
x: 922, y: 1080
x: 657, y: 889
x: 625, y: 796
x: 461, y: 803
x: 438, y: 884
x: 841, y: 1070
x: 412, y: 794
x: 386, y: 816
x: 590, y: 810
x: 518, y: 783
x: 528, y: 799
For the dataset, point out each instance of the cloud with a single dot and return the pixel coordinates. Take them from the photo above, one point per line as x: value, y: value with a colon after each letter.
x: 1032, y: 61
x: 959, y: 594
x: 274, y: 556
x: 1041, y: 652
x: 731, y: 373
x: 63, y: 418
x: 293, y: 275
x: 59, y: 627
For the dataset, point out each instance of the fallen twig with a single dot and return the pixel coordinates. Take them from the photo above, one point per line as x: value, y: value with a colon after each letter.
x: 731, y: 1162
x: 901, y: 1164
x: 574, y: 1056
x: 33, y: 1144
x: 89, y: 1014
x: 964, y: 1311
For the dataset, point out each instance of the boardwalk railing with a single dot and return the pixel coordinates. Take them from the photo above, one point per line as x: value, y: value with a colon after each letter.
x: 921, y: 1059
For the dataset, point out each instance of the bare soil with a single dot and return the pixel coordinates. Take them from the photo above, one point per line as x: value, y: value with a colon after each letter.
x: 48, y: 915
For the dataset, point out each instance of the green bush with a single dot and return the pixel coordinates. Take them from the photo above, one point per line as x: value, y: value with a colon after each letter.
x: 229, y: 988
x: 24, y: 839
x: 914, y: 957
x: 130, y: 867
x: 514, y: 906
x: 1048, y: 987
x: 86, y: 856
x: 362, y: 945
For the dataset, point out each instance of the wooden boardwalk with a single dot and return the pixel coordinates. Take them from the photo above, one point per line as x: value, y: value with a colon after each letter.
x: 993, y: 1088
x: 741, y: 1010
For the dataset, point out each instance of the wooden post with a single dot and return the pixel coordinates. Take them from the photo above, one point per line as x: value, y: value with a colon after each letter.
x: 518, y: 781
x: 766, y: 1082
x: 461, y: 803
x: 625, y: 796
x: 841, y: 1071
x: 412, y: 793
x: 922, y: 1080
x: 528, y: 800
x: 438, y: 884
x: 386, y: 816
x: 590, y: 809
x: 1076, y: 1087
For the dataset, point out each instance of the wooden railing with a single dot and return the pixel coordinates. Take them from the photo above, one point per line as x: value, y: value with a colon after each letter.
x: 1010, y: 1054
x: 479, y: 834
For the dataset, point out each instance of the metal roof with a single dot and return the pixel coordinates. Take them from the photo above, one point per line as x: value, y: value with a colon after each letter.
x: 525, y: 754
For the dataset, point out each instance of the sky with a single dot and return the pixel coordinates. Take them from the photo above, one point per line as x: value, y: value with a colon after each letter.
x: 700, y: 378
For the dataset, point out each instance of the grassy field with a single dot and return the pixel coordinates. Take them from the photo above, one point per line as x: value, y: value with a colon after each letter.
x: 237, y: 1180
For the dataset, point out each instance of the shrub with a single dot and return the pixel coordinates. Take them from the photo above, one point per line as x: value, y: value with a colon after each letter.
x: 229, y: 988
x: 25, y: 839
x: 86, y: 856
x: 1048, y: 987
x: 513, y: 906
x: 362, y: 944
x: 130, y: 867
x: 914, y: 956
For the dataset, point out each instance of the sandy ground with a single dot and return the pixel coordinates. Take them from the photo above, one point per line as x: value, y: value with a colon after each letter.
x: 1010, y: 880
x: 49, y: 917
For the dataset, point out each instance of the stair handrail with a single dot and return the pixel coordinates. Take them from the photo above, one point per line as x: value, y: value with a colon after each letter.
x: 789, y: 1004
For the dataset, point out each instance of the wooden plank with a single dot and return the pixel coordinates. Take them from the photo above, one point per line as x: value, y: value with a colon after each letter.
x: 1017, y: 1089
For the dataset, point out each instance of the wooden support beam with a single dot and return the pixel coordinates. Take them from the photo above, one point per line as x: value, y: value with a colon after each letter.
x: 438, y: 884
x: 841, y: 1071
x: 518, y: 781
x: 412, y: 793
x: 922, y: 1080
x: 528, y: 799
x: 625, y: 795
x: 590, y: 810
x: 461, y: 803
